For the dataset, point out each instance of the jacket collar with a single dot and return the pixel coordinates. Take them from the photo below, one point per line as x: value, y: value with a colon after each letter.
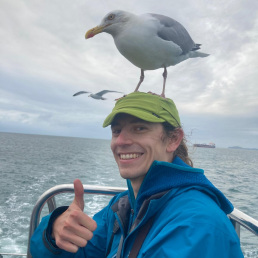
x: 163, y: 176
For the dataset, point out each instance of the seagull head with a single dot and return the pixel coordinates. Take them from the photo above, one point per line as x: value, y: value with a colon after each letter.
x: 112, y: 23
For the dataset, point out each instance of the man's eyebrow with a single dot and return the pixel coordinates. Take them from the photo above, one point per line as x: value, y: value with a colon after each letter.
x: 114, y: 123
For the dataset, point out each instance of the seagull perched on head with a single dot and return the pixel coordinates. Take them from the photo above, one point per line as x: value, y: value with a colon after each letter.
x: 98, y: 95
x: 149, y: 41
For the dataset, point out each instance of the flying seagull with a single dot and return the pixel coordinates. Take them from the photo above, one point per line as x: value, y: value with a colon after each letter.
x: 97, y: 95
x: 149, y: 41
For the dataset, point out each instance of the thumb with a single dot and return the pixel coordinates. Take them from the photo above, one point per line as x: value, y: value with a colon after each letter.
x: 78, y: 192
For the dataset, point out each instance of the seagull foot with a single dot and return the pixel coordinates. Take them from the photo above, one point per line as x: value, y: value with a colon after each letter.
x: 161, y: 95
x: 121, y: 97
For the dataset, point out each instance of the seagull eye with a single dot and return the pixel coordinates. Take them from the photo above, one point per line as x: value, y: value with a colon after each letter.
x: 111, y: 17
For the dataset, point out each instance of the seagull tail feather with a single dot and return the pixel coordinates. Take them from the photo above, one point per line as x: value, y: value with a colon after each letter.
x: 193, y: 54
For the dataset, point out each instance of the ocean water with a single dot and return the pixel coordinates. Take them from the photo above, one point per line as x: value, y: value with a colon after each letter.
x: 31, y: 164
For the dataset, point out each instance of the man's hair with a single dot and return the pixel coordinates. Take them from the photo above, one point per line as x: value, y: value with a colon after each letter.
x: 182, y: 150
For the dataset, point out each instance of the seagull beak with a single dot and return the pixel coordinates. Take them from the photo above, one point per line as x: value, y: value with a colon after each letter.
x: 92, y: 32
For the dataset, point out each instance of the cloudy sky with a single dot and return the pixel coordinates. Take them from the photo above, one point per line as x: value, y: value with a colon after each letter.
x: 45, y: 59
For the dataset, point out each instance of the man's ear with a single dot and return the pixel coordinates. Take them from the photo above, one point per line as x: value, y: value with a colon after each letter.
x: 175, y: 139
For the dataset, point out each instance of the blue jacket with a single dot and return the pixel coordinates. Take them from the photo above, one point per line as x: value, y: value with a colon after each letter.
x: 189, y: 219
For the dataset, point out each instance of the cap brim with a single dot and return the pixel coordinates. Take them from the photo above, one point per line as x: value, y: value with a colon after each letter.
x: 142, y: 114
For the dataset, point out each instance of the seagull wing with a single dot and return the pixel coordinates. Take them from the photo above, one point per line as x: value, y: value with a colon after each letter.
x: 171, y: 30
x: 80, y: 92
x: 101, y: 93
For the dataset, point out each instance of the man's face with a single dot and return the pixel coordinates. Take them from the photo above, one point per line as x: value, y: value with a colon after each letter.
x: 136, y: 144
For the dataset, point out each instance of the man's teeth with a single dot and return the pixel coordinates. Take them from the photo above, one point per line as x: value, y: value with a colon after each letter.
x: 129, y: 156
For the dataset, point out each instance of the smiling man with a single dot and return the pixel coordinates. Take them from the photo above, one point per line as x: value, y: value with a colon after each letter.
x: 170, y: 209
x: 137, y: 143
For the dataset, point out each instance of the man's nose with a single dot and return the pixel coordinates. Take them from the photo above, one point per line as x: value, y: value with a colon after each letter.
x: 124, y: 138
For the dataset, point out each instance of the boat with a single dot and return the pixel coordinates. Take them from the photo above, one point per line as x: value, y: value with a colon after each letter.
x: 237, y: 217
x: 204, y: 145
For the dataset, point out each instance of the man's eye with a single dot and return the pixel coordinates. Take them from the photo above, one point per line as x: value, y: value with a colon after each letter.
x: 140, y: 128
x: 116, y: 131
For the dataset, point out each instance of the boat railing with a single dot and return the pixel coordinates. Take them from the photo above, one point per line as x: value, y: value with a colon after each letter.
x: 238, y: 218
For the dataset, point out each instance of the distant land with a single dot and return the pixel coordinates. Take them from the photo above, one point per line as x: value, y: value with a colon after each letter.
x: 238, y: 147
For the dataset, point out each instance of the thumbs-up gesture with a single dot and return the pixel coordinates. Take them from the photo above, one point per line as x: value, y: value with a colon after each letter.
x: 73, y: 228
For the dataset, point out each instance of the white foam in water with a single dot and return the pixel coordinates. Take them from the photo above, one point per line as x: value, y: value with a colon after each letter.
x: 9, y: 245
x: 251, y: 253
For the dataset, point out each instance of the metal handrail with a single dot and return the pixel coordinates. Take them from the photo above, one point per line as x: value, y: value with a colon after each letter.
x: 237, y: 217
x: 240, y: 218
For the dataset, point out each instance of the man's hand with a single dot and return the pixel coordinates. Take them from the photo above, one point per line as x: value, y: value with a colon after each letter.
x: 74, y: 228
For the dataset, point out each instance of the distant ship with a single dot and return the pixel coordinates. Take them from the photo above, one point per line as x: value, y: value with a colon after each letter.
x: 204, y: 145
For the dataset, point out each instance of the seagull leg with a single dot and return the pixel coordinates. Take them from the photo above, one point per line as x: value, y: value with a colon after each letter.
x: 165, y: 73
x: 141, y: 80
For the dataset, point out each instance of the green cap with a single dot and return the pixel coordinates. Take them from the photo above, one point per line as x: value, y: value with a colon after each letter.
x: 146, y: 106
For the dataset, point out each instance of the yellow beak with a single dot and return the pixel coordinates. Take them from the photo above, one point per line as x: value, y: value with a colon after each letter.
x: 92, y: 32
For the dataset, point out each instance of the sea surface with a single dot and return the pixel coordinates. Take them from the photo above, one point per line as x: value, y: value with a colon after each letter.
x: 31, y: 164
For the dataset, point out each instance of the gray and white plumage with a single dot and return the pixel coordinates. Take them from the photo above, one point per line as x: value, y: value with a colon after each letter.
x: 98, y: 95
x: 149, y: 41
